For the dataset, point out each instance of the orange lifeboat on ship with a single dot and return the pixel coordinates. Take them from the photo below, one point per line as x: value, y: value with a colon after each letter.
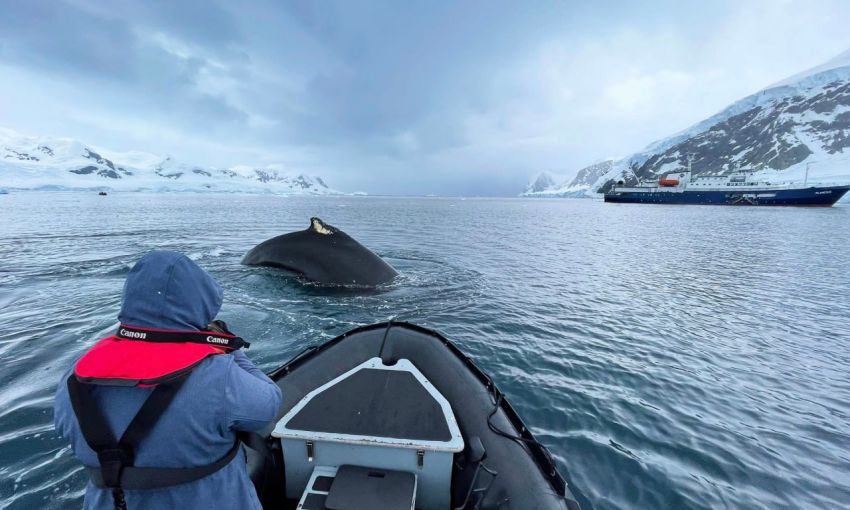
x: 668, y: 182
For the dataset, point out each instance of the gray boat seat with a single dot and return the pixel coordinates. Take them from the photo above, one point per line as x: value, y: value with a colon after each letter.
x: 360, y: 488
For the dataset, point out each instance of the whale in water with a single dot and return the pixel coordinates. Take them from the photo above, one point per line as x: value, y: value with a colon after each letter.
x: 322, y: 254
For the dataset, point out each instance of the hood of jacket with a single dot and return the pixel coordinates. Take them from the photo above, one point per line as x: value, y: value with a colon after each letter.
x: 167, y: 290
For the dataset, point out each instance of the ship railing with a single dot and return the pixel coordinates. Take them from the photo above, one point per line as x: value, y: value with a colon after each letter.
x: 761, y: 186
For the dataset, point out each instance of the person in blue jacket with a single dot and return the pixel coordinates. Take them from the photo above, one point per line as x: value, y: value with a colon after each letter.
x: 224, y: 393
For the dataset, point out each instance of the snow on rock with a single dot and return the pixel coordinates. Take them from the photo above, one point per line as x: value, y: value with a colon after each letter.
x: 800, y: 122
x: 549, y: 185
x: 543, y: 181
x: 54, y: 164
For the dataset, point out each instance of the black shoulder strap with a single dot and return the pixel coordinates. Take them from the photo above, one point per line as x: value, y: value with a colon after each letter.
x: 116, y: 458
x: 93, y: 424
x: 113, y: 455
x: 149, y: 414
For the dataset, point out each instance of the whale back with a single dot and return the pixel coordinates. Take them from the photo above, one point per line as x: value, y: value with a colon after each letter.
x: 323, y: 254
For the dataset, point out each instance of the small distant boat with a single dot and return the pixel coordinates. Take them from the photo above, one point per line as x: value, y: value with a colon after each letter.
x: 741, y: 188
x: 102, y: 193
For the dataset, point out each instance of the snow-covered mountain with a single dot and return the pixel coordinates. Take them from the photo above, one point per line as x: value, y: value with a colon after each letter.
x: 546, y: 184
x: 541, y: 182
x: 57, y: 163
x: 777, y: 132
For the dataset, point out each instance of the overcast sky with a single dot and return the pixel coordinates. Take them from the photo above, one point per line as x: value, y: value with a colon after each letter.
x: 397, y: 97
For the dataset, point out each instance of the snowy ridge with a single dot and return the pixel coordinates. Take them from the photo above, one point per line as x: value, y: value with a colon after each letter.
x: 57, y: 163
x: 799, y: 122
x: 828, y: 71
x: 544, y: 181
x: 546, y: 184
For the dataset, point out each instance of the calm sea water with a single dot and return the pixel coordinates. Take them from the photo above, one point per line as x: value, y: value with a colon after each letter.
x: 670, y: 357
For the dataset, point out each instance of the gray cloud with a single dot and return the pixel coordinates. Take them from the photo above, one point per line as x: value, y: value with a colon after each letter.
x: 104, y: 49
x: 61, y: 38
x: 396, y: 97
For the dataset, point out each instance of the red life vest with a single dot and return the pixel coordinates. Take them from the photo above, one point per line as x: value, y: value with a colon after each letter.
x: 141, y: 357
x: 146, y: 356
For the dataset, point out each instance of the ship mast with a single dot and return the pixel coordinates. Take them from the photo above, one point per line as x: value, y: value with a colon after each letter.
x: 690, y: 157
x: 806, y: 178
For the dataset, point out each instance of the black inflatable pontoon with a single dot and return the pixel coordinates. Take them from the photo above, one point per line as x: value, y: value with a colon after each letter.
x: 393, y: 416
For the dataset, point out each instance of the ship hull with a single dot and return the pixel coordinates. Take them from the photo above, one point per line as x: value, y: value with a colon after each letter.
x: 803, y: 197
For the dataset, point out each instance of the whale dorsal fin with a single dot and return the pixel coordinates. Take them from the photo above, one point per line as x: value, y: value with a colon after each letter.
x: 320, y: 227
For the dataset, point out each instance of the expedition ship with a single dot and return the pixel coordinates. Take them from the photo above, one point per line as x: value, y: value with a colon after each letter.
x: 740, y: 188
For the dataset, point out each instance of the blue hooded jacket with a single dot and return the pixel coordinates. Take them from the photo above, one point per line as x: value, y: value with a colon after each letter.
x: 224, y: 394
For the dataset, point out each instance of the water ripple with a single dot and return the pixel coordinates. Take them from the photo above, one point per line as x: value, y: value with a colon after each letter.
x: 676, y: 357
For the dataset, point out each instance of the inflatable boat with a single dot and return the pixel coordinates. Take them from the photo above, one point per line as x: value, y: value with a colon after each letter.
x: 394, y: 416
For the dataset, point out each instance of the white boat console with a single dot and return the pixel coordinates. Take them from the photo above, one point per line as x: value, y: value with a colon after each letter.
x: 377, y: 437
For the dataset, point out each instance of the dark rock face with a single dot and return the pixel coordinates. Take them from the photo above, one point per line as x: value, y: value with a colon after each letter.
x: 264, y: 176
x: 97, y: 157
x: 20, y: 156
x: 102, y: 172
x: 84, y: 171
x: 775, y: 135
x: 587, y: 176
x: 110, y: 171
x: 201, y: 171
x: 299, y: 181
